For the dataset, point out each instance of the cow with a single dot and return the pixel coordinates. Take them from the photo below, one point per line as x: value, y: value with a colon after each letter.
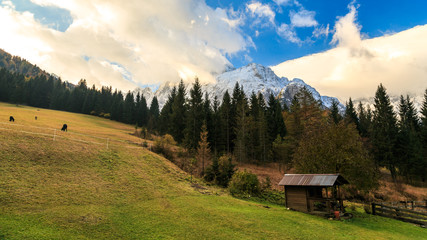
x: 11, y: 119
x: 35, y: 117
x: 64, y: 128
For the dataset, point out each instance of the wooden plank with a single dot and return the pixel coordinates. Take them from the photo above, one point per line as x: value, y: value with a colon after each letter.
x: 402, y: 209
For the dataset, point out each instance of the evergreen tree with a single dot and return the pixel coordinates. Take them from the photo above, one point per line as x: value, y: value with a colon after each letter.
x: 384, y: 131
x: 194, y: 116
x: 142, y: 112
x: 216, y: 126
x: 421, y: 171
x: 276, y: 123
x: 335, y: 114
x: 408, y: 144
x: 177, y: 118
x: 350, y: 114
x: 365, y: 120
x: 208, y: 117
x: 129, y: 109
x: 242, y: 124
x: 154, y: 115
x: 225, y: 115
x: 166, y: 113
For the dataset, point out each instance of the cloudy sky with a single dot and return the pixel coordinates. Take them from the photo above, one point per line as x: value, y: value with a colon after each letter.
x: 342, y: 48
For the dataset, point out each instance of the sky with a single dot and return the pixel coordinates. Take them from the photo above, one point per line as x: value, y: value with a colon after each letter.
x: 343, y: 48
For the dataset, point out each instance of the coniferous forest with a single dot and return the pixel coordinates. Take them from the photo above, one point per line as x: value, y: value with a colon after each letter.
x: 303, y: 136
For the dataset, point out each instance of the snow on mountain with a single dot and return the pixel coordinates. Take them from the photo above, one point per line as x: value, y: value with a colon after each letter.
x: 254, y: 78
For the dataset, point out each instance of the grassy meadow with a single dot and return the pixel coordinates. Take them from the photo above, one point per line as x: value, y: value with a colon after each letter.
x: 69, y: 189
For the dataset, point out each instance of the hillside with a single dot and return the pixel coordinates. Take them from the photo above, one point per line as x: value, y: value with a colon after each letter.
x: 16, y: 64
x: 70, y: 189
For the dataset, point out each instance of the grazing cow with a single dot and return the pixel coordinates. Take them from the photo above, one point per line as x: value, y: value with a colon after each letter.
x: 11, y: 119
x: 64, y: 128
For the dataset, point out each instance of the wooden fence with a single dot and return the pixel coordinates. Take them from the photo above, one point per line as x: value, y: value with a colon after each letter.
x: 402, y: 212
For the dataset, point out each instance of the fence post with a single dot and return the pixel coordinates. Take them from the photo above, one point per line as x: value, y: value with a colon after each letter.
x: 54, y: 135
x: 373, y: 208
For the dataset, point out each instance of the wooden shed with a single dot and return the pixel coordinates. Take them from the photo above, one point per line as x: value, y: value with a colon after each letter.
x: 313, y: 193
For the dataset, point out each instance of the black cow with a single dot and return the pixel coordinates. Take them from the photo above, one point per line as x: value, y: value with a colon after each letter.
x: 64, y: 128
x: 11, y: 119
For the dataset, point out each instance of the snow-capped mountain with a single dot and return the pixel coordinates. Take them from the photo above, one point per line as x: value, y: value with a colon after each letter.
x: 254, y: 78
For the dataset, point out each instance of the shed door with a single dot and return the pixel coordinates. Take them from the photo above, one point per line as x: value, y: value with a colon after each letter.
x: 296, y: 198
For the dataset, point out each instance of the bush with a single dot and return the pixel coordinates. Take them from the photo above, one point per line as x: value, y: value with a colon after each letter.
x: 244, y: 184
x: 162, y: 145
x: 220, y: 172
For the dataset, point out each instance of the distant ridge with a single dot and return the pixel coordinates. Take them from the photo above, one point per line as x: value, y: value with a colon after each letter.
x: 253, y: 78
x: 19, y: 65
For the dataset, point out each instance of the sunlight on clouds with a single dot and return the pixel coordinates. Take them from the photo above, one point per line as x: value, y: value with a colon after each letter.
x: 150, y: 41
x: 355, y: 67
x: 260, y: 10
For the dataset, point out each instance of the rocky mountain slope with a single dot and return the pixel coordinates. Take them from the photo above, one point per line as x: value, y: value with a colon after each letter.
x: 254, y: 78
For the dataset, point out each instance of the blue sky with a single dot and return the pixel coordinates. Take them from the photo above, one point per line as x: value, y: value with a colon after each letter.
x: 377, y: 17
x: 330, y: 44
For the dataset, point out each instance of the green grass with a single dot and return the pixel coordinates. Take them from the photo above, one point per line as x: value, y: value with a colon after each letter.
x: 66, y: 189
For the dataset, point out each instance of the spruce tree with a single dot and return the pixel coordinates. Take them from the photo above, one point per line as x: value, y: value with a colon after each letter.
x: 335, y: 113
x: 225, y: 116
x: 276, y: 123
x: 194, y: 117
x: 177, y: 120
x: 153, y: 115
x: 350, y: 114
x: 421, y: 171
x: 408, y: 144
x: 166, y: 113
x: 384, y: 131
x: 365, y: 120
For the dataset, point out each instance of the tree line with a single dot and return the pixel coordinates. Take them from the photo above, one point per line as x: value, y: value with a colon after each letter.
x: 303, y: 136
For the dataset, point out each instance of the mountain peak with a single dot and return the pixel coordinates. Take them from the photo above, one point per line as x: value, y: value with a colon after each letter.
x: 253, y: 78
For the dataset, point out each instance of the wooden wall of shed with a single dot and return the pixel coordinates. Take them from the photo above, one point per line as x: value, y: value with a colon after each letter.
x: 296, y: 198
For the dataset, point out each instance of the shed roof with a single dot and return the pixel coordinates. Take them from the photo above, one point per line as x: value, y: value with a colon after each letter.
x: 321, y: 180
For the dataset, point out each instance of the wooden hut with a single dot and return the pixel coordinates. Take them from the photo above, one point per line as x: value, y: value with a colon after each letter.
x: 313, y: 193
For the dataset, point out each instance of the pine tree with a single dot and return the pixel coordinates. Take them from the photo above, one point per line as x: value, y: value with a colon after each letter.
x: 421, y: 171
x: 335, y: 113
x: 408, y: 141
x: 194, y: 116
x: 216, y: 127
x: 129, y: 109
x: 225, y: 116
x: 365, y: 120
x: 166, y: 113
x: 242, y: 124
x: 153, y: 115
x: 177, y: 118
x: 384, y: 131
x: 208, y: 117
x: 350, y: 114
x: 276, y: 123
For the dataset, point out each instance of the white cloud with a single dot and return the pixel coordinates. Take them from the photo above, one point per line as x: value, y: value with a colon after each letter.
x: 288, y: 32
x: 282, y: 2
x: 321, y: 31
x: 151, y: 41
x: 303, y: 18
x: 356, y: 66
x: 261, y: 12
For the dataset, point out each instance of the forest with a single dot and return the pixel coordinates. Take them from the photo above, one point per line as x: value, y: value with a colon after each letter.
x: 304, y: 136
